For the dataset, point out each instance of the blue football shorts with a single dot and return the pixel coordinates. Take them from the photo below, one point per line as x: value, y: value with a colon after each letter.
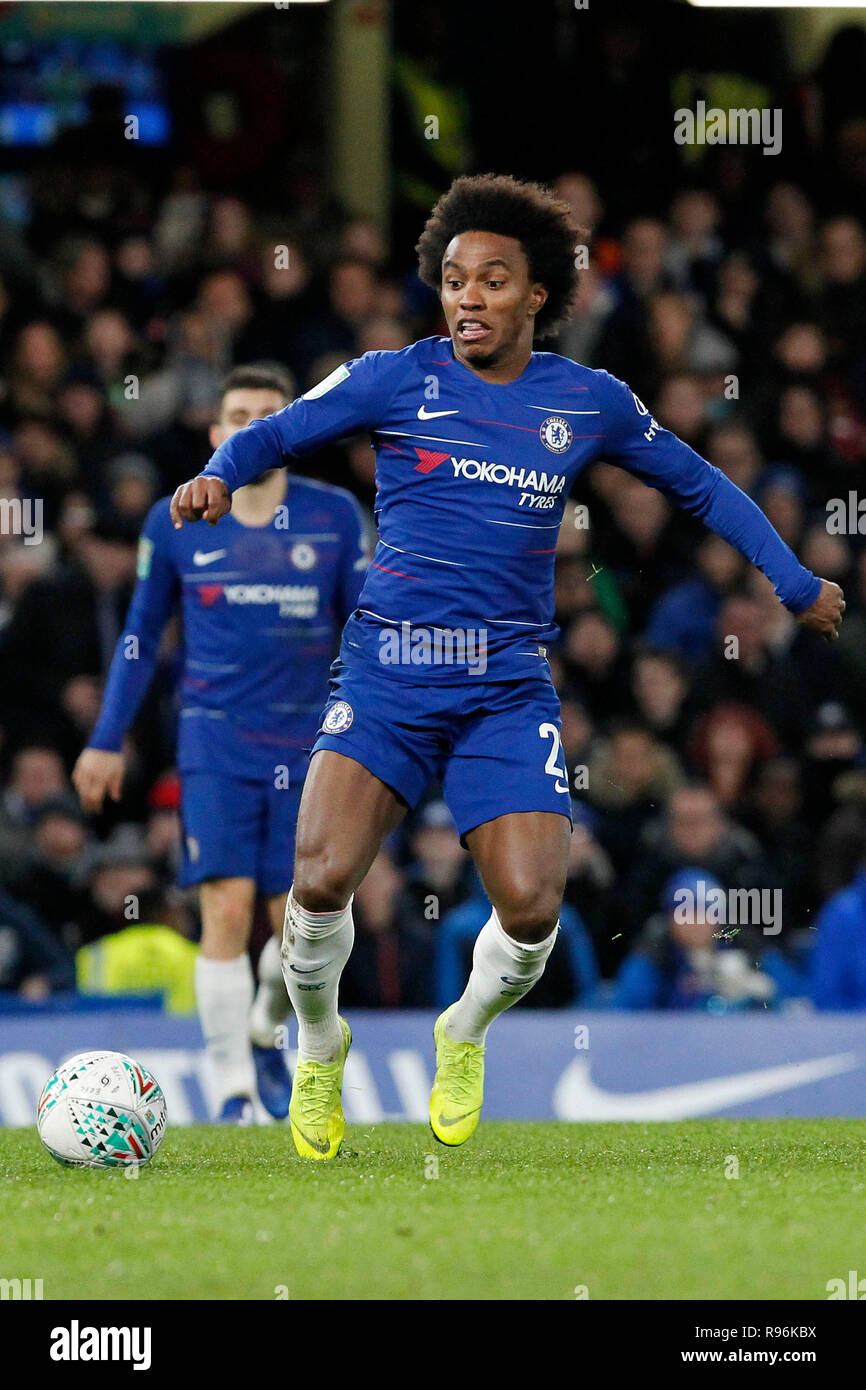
x: 494, y: 746
x: 236, y: 827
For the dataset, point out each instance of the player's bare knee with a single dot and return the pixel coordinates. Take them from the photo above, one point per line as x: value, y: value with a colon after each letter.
x: 529, y: 916
x: 322, y: 882
x: 226, y: 914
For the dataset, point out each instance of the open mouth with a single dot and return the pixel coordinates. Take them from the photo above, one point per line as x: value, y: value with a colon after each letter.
x: 473, y: 330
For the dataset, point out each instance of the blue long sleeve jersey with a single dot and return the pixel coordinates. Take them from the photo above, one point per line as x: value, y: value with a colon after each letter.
x: 261, y: 607
x: 472, y: 480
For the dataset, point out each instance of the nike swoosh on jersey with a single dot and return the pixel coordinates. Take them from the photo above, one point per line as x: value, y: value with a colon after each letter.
x: 207, y: 557
x: 576, y: 1096
x: 424, y: 414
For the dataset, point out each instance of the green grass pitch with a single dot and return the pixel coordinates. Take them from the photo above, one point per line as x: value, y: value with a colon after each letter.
x: 523, y: 1211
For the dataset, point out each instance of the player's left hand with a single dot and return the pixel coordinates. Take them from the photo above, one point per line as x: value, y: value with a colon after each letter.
x: 825, y: 614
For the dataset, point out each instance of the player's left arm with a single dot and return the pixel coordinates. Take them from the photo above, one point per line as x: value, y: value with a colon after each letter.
x: 638, y: 443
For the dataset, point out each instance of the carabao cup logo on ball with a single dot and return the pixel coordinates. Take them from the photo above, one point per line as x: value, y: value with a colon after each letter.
x: 339, y: 718
x: 555, y: 434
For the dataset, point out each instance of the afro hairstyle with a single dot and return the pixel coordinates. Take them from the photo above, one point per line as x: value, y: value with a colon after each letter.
x: 511, y: 207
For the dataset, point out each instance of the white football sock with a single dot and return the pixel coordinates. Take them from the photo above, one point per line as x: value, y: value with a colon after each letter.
x: 224, y: 990
x: 316, y: 946
x: 503, y: 970
x: 271, y: 1005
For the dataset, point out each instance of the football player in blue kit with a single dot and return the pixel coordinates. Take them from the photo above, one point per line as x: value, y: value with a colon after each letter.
x: 261, y: 609
x: 443, y: 669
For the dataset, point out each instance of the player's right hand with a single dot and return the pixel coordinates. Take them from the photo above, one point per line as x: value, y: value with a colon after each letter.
x: 201, y: 499
x: 96, y: 773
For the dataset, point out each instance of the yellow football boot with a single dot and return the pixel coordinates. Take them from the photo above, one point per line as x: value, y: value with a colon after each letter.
x: 316, y: 1110
x: 458, y: 1087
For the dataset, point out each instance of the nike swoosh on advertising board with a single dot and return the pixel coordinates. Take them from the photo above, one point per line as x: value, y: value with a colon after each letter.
x: 576, y: 1096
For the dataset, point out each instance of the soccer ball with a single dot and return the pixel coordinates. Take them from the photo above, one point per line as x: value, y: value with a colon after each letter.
x: 101, y: 1110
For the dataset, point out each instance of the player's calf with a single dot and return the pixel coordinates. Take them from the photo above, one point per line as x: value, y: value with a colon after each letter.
x: 224, y: 985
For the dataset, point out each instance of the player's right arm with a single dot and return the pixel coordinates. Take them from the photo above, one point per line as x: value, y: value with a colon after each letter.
x: 353, y: 398
x: 100, y: 767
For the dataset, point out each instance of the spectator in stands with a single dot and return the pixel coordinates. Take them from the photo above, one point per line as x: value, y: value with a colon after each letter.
x: 78, y: 614
x: 726, y: 748
x: 686, y: 959
x: 49, y: 878
x: 773, y: 812
x: 684, y: 618
x: 842, y: 297
x: 735, y: 304
x: 37, y: 778
x: 132, y: 484
x: 692, y: 831
x: 623, y: 344
x: 33, y: 964
x: 120, y: 874
x: 661, y: 686
x: 834, y: 746
x: 284, y: 306
x: 594, y: 657
x: 733, y: 447
x: 696, y: 247
x: 744, y: 670
x: 629, y: 775
x: 37, y: 368
x: 112, y: 351
x: 149, y: 956
x: 681, y: 405
x: 578, y: 737
x: 83, y: 410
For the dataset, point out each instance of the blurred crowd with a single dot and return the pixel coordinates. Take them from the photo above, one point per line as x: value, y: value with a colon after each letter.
x: 709, y: 738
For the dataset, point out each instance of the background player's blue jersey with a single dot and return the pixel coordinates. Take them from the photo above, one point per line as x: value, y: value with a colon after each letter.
x: 472, y: 480
x: 262, y: 607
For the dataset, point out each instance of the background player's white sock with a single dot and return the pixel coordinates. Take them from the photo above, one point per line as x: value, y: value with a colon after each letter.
x: 487, y: 994
x: 224, y: 990
x: 316, y: 946
x: 271, y: 1004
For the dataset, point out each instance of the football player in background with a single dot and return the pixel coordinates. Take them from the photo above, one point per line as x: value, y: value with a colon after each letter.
x: 261, y: 611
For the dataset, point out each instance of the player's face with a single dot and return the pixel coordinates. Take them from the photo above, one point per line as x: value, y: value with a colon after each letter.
x: 488, y: 299
x: 240, y: 408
